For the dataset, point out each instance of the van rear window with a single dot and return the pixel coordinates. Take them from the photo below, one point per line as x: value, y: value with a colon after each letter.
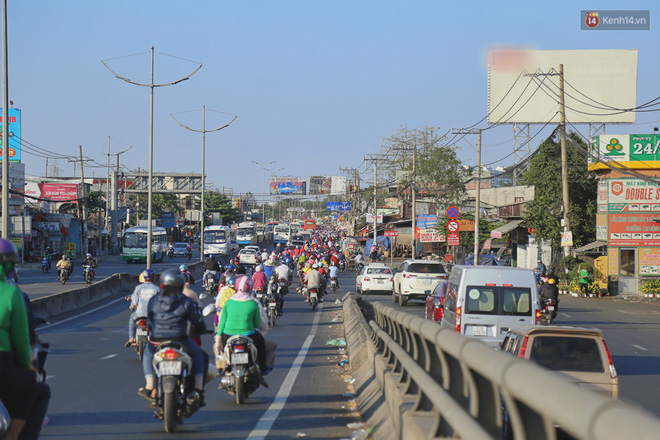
x: 498, y: 300
x: 563, y: 353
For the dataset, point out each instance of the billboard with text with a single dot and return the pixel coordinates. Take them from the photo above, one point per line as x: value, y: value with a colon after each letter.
x: 14, y: 134
x: 288, y: 186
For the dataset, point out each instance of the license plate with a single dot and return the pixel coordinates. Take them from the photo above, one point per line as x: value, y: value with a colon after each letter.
x: 272, y: 305
x: 239, y: 358
x: 169, y: 368
x: 551, y: 308
x: 282, y: 284
x: 260, y: 295
x: 479, y: 330
x: 380, y: 281
x: 313, y: 295
x: 141, y: 332
x: 426, y: 281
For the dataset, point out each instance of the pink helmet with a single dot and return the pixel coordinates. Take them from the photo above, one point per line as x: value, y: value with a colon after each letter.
x: 243, y: 284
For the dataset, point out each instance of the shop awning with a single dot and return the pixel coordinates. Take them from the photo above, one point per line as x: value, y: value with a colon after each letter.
x: 590, y: 246
x: 498, y: 232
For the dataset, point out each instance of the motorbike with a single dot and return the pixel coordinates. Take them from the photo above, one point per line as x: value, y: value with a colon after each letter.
x: 314, y: 297
x: 170, y: 252
x: 241, y: 372
x: 359, y: 267
x: 259, y: 294
x: 211, y: 284
x: 176, y: 399
x: 189, y: 254
x: 63, y: 276
x: 141, y: 336
x: 549, y: 312
x: 88, y: 273
x: 342, y: 265
x: 333, y: 284
x: 45, y: 264
x: 282, y: 287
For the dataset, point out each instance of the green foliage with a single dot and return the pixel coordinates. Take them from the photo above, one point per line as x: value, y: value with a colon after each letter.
x: 467, y: 238
x: 651, y: 286
x: 166, y: 202
x: 95, y: 201
x: 544, y: 213
x: 569, y: 262
x: 215, y: 201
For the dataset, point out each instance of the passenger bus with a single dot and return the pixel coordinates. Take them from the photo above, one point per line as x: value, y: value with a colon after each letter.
x: 247, y: 234
x: 219, y: 240
x: 309, y: 224
x: 281, y: 234
x: 134, y: 244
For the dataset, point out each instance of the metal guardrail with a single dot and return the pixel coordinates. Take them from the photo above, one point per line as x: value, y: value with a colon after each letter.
x: 448, y: 385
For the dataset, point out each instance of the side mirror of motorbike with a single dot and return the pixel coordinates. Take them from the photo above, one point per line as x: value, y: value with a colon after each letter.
x: 203, y: 296
x: 206, y: 311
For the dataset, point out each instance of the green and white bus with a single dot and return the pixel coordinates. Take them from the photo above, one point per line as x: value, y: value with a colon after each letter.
x: 134, y: 244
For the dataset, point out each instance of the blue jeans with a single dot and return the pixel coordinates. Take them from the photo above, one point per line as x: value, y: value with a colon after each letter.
x: 193, y: 350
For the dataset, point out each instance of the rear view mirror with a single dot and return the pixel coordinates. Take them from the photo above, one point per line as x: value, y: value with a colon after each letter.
x: 206, y: 311
x: 203, y: 296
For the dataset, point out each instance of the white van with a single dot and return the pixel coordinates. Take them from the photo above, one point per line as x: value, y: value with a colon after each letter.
x: 485, y: 302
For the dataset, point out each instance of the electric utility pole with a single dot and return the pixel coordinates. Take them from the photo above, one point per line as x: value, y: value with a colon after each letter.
x: 477, y: 204
x: 374, y: 158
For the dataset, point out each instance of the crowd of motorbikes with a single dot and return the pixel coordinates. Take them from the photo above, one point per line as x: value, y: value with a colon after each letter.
x: 236, y: 363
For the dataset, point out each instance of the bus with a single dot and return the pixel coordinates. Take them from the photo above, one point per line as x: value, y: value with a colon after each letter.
x: 247, y: 234
x: 219, y: 240
x: 281, y: 234
x: 134, y: 244
x: 309, y: 224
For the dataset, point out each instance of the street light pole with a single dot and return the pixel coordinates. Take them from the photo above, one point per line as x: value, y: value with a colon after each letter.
x: 151, y: 86
x: 5, y: 125
x: 263, y: 187
x: 203, y: 131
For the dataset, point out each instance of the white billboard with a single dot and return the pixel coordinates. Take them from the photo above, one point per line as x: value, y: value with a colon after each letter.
x: 597, y: 84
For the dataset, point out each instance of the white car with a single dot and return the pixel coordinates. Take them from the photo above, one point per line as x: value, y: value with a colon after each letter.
x: 417, y: 278
x: 248, y: 257
x: 254, y: 248
x: 376, y: 277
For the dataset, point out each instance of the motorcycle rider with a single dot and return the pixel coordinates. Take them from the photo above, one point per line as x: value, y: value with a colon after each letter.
x: 241, y: 315
x: 64, y: 265
x: 314, y: 279
x: 211, y: 266
x: 139, y: 302
x: 169, y: 315
x: 268, y: 269
x: 550, y: 291
x: 283, y: 272
x: 359, y: 259
x: 89, y: 261
x: 187, y: 276
x: 259, y: 280
x: 334, y: 273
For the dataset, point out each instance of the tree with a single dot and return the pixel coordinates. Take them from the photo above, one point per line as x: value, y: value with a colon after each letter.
x: 544, y: 213
x: 166, y: 202
x: 216, y: 201
x: 438, y: 171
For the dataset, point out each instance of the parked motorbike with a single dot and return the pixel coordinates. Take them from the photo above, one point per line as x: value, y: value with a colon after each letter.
x: 88, y: 273
x: 177, y: 398
x: 141, y: 336
x: 241, y: 372
x: 333, y: 284
x: 63, y: 276
x: 549, y: 312
x: 45, y: 264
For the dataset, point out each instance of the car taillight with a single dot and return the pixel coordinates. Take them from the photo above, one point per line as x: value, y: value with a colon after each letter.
x: 366, y: 279
x: 609, y: 359
x: 538, y: 315
x: 457, y: 320
x: 409, y: 275
x: 523, y: 348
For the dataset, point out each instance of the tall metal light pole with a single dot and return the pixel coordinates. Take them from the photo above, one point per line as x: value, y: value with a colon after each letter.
x: 263, y: 187
x: 151, y: 86
x: 5, y: 125
x: 111, y: 236
x: 203, y: 131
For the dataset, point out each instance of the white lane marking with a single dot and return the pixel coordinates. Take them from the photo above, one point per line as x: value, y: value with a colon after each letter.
x: 640, y: 347
x: 566, y: 315
x: 50, y: 376
x: 266, y: 421
x: 110, y: 356
x: 43, y: 327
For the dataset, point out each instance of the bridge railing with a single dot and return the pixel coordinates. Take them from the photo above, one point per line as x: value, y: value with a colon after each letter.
x: 436, y: 384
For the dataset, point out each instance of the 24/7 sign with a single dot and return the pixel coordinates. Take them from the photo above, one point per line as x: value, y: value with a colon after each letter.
x: 630, y: 150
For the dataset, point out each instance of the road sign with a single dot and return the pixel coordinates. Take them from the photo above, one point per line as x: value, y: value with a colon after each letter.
x: 452, y: 226
x: 391, y: 233
x: 466, y: 225
x: 452, y: 212
x: 453, y: 239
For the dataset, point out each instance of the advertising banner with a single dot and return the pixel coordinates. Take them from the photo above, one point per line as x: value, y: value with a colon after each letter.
x: 625, y: 195
x: 640, y: 151
x: 288, y: 186
x: 320, y: 185
x: 567, y: 239
x: 391, y: 233
x: 602, y: 195
x: 649, y: 261
x: 59, y: 192
x: 370, y: 218
x: 430, y: 236
x: 601, y: 227
x: 14, y: 135
x: 427, y: 221
x: 613, y: 261
x: 634, y: 229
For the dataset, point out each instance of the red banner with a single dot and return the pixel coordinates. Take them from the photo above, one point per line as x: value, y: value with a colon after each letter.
x: 391, y: 233
x: 59, y: 192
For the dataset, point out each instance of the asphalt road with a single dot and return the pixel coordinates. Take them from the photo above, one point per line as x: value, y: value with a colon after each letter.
x: 632, y: 331
x: 94, y: 380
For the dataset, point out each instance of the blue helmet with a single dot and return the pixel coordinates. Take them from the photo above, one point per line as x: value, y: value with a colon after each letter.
x: 231, y: 281
x: 148, y: 274
x: 230, y: 267
x: 211, y: 256
x: 182, y: 268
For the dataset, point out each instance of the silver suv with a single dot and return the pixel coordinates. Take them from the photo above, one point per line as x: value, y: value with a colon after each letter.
x: 414, y: 279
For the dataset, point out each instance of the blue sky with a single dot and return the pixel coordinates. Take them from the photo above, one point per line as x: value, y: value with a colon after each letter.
x: 316, y: 84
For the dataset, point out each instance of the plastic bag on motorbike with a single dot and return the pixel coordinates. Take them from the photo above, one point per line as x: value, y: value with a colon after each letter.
x: 4, y: 419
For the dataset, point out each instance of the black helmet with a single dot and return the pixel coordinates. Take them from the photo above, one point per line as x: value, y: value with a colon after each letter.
x: 8, y: 255
x: 239, y: 270
x: 171, y: 282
